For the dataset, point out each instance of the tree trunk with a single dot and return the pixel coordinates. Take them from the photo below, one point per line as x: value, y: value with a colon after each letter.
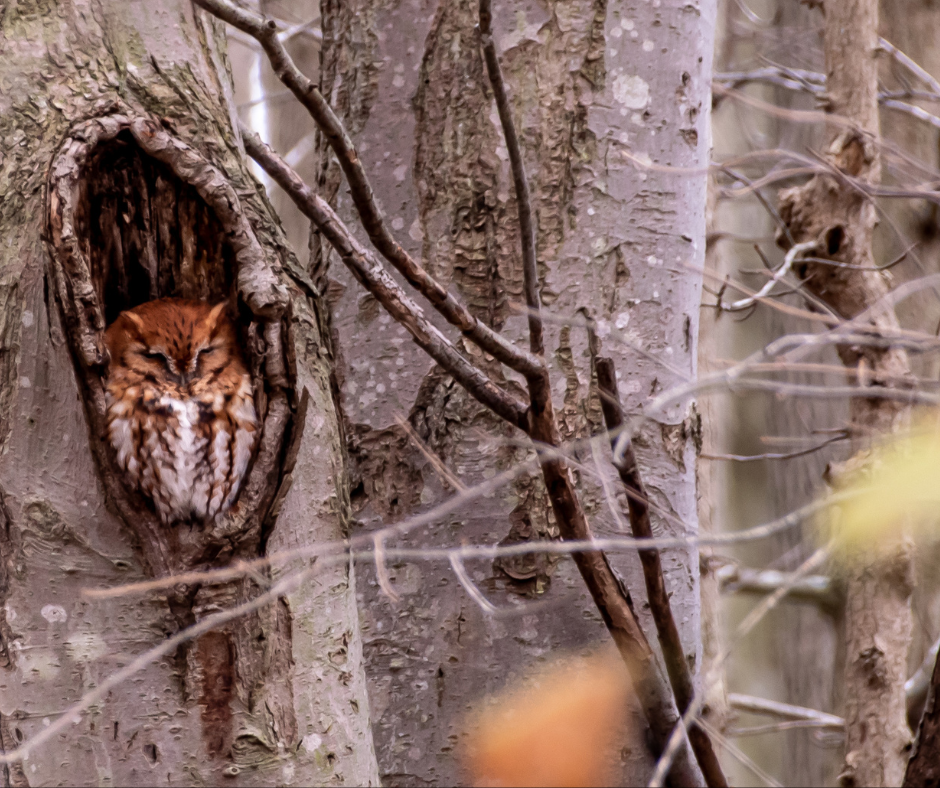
x: 276, y: 697
x: 879, y: 577
x: 596, y: 85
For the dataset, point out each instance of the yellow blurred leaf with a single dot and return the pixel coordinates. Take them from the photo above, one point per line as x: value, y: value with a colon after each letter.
x: 561, y: 727
x: 897, y: 486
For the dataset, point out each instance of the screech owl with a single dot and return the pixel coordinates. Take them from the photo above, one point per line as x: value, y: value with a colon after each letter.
x: 181, y: 416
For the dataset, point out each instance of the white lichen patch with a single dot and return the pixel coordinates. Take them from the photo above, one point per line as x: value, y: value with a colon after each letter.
x: 631, y: 91
x: 54, y: 614
x: 311, y: 742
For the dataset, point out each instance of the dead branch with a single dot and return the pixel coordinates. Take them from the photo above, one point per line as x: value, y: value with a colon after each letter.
x: 265, y: 32
x: 680, y: 677
x: 609, y: 594
x: 750, y: 621
x: 785, y: 711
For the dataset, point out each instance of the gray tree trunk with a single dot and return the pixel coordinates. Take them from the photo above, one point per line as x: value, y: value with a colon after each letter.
x: 296, y: 710
x: 596, y: 84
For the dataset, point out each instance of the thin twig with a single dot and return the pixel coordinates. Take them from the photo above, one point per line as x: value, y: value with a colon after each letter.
x: 521, y: 183
x: 911, y: 65
x: 358, y: 546
x: 381, y: 568
x: 430, y: 455
x: 788, y: 261
x: 265, y: 32
x: 469, y: 586
x: 774, y: 456
x: 786, y: 711
x: 736, y: 752
x: 816, y: 589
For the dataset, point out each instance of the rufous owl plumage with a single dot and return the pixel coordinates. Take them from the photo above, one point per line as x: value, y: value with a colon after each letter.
x: 181, y: 415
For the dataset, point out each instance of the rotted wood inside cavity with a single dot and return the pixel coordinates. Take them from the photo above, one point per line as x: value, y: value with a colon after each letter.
x: 145, y: 233
x: 135, y: 214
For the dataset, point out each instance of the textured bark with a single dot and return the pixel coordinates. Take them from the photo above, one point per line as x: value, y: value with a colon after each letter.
x: 880, y: 580
x: 279, y: 697
x: 589, y: 82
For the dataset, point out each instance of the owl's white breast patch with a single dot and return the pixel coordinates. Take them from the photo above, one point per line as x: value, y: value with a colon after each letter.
x: 190, y: 467
x: 181, y: 461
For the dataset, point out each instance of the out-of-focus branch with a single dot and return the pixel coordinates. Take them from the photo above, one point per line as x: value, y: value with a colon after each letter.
x: 521, y: 183
x: 265, y: 32
x: 637, y: 501
x: 815, y: 589
x: 917, y: 687
x: 910, y: 64
x: 380, y: 284
x: 784, y: 711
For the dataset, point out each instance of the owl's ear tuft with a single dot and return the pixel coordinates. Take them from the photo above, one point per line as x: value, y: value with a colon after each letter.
x: 136, y: 321
x: 212, y: 319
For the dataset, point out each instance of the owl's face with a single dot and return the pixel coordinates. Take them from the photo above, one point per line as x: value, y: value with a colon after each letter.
x: 181, y: 413
x: 182, y: 348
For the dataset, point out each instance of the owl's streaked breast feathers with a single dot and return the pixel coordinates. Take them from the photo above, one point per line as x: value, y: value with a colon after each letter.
x: 181, y: 415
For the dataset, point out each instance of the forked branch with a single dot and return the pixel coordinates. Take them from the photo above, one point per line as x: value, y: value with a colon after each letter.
x: 373, y: 277
x: 265, y: 32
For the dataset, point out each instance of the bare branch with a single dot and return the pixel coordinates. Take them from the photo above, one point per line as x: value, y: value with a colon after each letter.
x: 817, y: 589
x: 521, y: 183
x: 736, y: 752
x: 786, y: 711
x: 680, y: 677
x: 359, y: 545
x: 911, y: 65
x: 750, y: 621
x: 781, y: 272
x: 265, y: 32
x: 370, y: 273
x: 469, y: 586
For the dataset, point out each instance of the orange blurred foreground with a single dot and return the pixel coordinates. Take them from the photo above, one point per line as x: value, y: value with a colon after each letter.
x: 560, y: 727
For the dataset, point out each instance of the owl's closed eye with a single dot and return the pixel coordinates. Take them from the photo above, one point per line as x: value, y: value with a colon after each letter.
x: 181, y: 415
